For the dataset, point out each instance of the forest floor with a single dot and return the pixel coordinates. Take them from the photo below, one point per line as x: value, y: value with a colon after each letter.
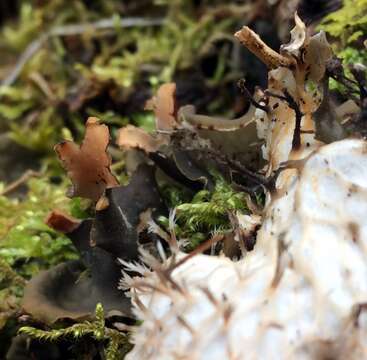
x: 63, y: 62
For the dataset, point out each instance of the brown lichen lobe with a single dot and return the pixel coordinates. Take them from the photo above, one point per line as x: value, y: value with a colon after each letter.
x: 88, y: 165
x: 132, y: 137
x: 62, y: 222
x: 164, y: 106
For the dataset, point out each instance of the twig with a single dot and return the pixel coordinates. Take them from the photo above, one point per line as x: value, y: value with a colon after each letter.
x: 74, y: 29
x: 31, y: 49
x: 266, y: 54
x: 200, y: 249
x: 255, y: 178
x: 360, y: 75
x: 41, y: 82
x: 14, y: 185
x: 335, y: 70
x: 246, y: 92
x: 104, y: 24
x: 235, y: 165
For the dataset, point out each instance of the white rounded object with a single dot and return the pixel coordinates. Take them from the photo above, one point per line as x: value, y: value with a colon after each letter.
x: 300, y: 294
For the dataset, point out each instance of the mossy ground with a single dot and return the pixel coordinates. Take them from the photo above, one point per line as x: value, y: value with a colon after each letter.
x: 110, y: 74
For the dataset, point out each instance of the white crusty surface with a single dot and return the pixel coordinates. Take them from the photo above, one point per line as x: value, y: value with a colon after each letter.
x: 300, y: 294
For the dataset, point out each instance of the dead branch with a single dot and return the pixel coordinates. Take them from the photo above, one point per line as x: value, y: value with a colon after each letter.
x: 267, y: 55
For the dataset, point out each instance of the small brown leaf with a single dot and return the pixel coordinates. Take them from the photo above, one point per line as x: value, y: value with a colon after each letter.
x: 164, y: 107
x: 62, y: 222
x: 88, y: 165
x: 131, y: 137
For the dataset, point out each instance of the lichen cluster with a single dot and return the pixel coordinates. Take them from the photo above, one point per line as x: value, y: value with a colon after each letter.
x: 180, y: 233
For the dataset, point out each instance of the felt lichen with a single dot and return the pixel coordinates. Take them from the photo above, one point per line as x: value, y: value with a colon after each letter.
x: 88, y: 165
x: 287, y: 298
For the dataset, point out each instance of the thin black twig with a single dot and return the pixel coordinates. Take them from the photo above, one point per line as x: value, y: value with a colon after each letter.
x: 360, y: 75
x: 252, y: 176
x: 199, y: 249
x: 335, y: 70
x: 241, y: 85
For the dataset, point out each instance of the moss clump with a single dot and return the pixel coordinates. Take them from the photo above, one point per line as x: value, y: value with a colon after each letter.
x: 117, y: 342
x: 26, y: 241
x: 27, y: 244
x: 206, y: 212
x: 347, y: 24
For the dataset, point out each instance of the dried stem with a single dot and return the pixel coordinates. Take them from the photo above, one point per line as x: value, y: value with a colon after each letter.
x: 267, y: 55
x: 20, y: 181
x: 201, y: 248
x: 246, y: 92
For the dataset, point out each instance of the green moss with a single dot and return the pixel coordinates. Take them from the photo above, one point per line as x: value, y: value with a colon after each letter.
x: 15, y: 101
x: 30, y: 109
x: 11, y: 291
x: 117, y: 342
x: 27, y: 244
x: 349, y: 56
x: 177, y: 45
x: 209, y: 210
x: 348, y: 27
x: 347, y: 24
x: 35, y: 108
x: 206, y: 213
x: 30, y: 21
x: 26, y: 241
